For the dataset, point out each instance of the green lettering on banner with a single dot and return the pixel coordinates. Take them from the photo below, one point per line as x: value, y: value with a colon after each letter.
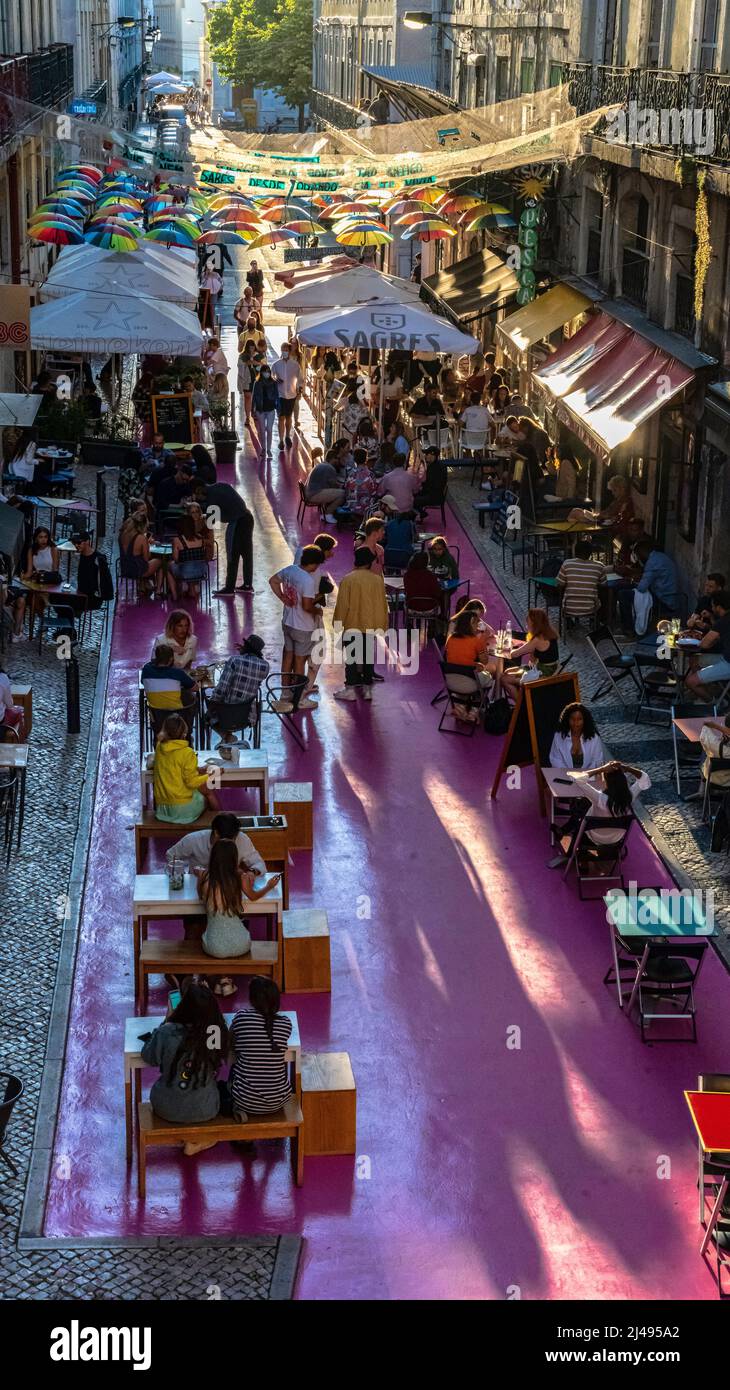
x: 266, y: 183
x: 216, y: 176
x: 316, y: 187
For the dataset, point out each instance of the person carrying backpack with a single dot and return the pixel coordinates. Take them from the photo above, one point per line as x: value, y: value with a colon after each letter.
x: 94, y: 576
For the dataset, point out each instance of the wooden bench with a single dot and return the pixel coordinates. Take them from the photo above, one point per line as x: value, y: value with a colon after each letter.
x: 329, y: 1103
x: 23, y: 695
x: 272, y: 842
x: 286, y: 1123
x: 294, y: 801
x: 161, y: 957
x: 306, y: 940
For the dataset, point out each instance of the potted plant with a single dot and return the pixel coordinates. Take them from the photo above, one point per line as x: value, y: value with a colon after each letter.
x: 110, y: 444
x: 225, y: 438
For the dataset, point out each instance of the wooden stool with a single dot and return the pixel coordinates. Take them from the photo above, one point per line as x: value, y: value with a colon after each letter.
x: 306, y: 951
x: 283, y: 1124
x: 294, y: 800
x: 329, y: 1103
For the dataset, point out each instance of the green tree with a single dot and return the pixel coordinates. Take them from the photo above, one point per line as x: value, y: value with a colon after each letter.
x: 265, y: 43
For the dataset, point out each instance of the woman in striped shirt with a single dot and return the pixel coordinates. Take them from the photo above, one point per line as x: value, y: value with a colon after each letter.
x: 259, y: 1078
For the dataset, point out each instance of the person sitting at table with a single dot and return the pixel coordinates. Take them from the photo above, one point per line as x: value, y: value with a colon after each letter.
x: 360, y: 485
x: 203, y: 533
x: 393, y: 449
x: 155, y: 455
x: 659, y: 577
x: 475, y: 416
x: 400, y: 483
x: 259, y: 1079
x: 93, y: 576
x: 467, y: 646
x: 617, y: 514
x: 714, y: 649
x: 21, y: 460
x: 325, y: 486
x: 189, y: 1049
x: 440, y: 560
x: 608, y: 794
x: 189, y: 564
x: 499, y: 406
x: 11, y: 715
x: 400, y: 533
x: 433, y: 488
x: 450, y: 387
x: 576, y: 742
x: 429, y: 405
x: 715, y: 743
x: 181, y: 793
x: 700, y: 619
x: 179, y: 635
x: 509, y: 432
x: 42, y: 558
x: 223, y: 888
x: 231, y: 701
x: 167, y: 687
x: 581, y: 579
x: 204, y: 468
x: 421, y: 585
x: 176, y: 489
x: 195, y: 847
x: 540, y: 646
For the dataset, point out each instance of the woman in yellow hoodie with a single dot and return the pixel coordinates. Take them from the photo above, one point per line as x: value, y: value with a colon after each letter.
x: 179, y: 789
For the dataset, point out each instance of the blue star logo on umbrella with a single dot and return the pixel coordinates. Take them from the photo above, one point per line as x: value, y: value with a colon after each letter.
x: 112, y: 310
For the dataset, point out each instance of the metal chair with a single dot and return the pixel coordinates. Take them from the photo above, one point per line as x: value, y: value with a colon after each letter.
x: 461, y: 687
x: 59, y: 617
x: 659, y: 685
x: 715, y: 765
x: 275, y: 690
x: 421, y: 618
x: 688, y: 755
x: 668, y: 975
x: 304, y: 503
x: 616, y: 664
x: 9, y: 786
x: 12, y: 1091
x: 585, y: 853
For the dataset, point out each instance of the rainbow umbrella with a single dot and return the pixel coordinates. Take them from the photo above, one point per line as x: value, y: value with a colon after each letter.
x: 66, y: 206
x: 55, y: 233
x: 121, y: 199
x: 304, y: 228
x: 402, y: 205
x: 271, y: 238
x: 457, y: 203
x: 226, y: 236
x: 42, y: 219
x: 119, y: 238
x: 410, y: 219
x: 488, y: 216
x: 223, y: 201
x: 363, y: 235
x: 157, y: 201
x: 171, y: 235
x: 79, y: 193
x: 428, y: 193
x: 88, y: 171
x: 180, y: 224
x: 429, y: 230
x: 116, y: 210
x: 229, y: 216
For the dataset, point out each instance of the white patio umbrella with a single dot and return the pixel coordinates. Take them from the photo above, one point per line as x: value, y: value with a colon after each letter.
x: 357, y: 286
x: 161, y: 76
x: 384, y: 324
x: 101, y: 323
x: 124, y: 274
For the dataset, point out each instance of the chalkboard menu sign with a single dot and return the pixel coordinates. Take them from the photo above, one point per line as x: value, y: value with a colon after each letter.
x: 534, y: 721
x: 172, y: 417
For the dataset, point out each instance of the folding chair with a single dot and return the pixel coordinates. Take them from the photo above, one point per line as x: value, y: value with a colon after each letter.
x: 713, y: 1167
x: 58, y: 619
x: 715, y: 765
x: 688, y: 755
x: 668, y: 976
x: 421, y: 618
x: 659, y: 685
x: 461, y: 687
x: 274, y: 691
x: 616, y: 664
x: 303, y: 504
x: 9, y: 787
x: 584, y: 853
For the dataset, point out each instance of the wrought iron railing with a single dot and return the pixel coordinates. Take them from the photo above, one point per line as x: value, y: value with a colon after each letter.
x: 690, y: 111
x: 334, y: 111
x: 45, y: 79
x: 634, y: 278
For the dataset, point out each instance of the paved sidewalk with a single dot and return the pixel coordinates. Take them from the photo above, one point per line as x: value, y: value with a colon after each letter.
x: 679, y: 825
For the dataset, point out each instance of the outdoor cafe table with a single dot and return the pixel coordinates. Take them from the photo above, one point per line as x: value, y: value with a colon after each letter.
x: 622, y: 912
x: 249, y: 767
x: 74, y: 505
x: 710, y: 1111
x: 560, y: 787
x: 56, y: 591
x: 551, y: 582
x: 691, y: 730
x: 155, y: 899
x: 15, y: 755
x: 133, y: 1064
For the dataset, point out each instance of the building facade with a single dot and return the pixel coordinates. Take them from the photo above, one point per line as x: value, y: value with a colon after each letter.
x: 354, y: 38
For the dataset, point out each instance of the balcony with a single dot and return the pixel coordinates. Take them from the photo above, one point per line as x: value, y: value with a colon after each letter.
x: 45, y: 78
x: 662, y: 92
x: 332, y: 111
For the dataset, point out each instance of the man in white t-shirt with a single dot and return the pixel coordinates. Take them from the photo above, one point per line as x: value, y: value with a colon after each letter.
x: 297, y: 589
x: 475, y: 418
x: 287, y: 374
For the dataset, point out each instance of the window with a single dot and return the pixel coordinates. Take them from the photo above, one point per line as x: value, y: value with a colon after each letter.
x: 502, y: 79
x: 389, y: 54
x: 655, y: 33
x: 610, y: 33
x: 708, y: 42
x: 527, y: 75
x: 594, y: 220
x: 556, y: 75
x: 635, y: 251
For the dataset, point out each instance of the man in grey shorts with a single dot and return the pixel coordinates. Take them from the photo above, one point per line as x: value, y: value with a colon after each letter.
x: 296, y: 587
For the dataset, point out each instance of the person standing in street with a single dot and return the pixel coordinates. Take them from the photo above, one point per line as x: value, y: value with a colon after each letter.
x: 297, y: 589
x: 232, y: 510
x: 287, y: 374
x: 362, y: 609
x: 265, y: 404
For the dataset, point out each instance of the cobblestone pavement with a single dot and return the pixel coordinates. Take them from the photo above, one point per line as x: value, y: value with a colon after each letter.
x: 678, y: 824
x: 33, y: 894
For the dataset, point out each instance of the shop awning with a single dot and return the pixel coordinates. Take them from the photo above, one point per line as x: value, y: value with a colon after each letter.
x: 541, y: 318
x: 608, y: 380
x: 409, y: 88
x: 473, y: 286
